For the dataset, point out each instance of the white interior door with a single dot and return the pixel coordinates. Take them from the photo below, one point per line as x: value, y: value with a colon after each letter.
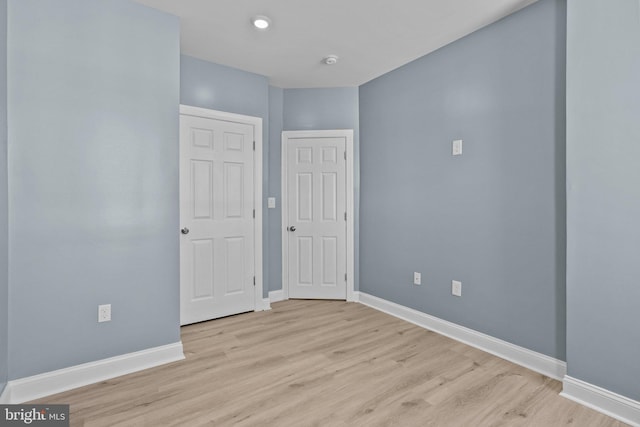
x: 217, y: 215
x: 316, y: 212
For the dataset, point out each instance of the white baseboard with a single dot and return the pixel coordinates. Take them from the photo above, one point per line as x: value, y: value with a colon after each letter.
x: 266, y: 304
x: 5, y: 396
x: 535, y: 361
x: 275, y: 296
x: 602, y: 400
x: 38, y: 386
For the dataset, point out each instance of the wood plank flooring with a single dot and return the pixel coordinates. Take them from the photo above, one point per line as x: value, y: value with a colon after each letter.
x: 326, y: 363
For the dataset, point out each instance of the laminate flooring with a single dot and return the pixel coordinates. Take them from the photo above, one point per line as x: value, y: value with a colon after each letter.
x: 326, y: 363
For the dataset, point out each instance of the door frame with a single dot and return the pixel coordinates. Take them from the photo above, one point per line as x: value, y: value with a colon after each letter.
x: 337, y: 133
x: 256, y: 122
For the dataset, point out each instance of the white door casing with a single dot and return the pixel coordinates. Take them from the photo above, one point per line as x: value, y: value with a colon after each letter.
x: 317, y: 214
x: 220, y: 214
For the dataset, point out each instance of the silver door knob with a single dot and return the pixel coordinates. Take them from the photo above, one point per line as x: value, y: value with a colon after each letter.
x: 292, y: 228
x: 185, y: 230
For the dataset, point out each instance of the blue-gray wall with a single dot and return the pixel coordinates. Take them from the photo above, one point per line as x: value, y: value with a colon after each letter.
x: 4, y: 279
x: 273, y: 255
x: 208, y: 85
x: 327, y: 109
x: 218, y: 87
x: 492, y: 218
x: 603, y: 186
x: 93, y: 181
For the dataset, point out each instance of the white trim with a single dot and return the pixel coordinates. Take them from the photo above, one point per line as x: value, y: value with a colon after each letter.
x: 266, y: 304
x: 535, y: 361
x: 189, y: 110
x: 602, y: 400
x: 5, y: 396
x: 348, y: 135
x: 275, y: 296
x: 38, y: 386
x: 356, y: 296
x: 256, y: 122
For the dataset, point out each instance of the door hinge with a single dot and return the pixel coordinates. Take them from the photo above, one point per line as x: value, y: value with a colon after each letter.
x: 345, y: 155
x: 254, y: 146
x: 254, y: 213
x: 345, y: 216
x: 254, y: 280
x: 345, y: 277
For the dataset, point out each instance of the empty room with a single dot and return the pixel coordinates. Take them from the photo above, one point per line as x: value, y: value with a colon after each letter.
x: 331, y: 213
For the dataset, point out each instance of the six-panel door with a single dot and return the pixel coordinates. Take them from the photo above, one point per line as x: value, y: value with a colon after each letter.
x: 316, y: 194
x: 216, y: 212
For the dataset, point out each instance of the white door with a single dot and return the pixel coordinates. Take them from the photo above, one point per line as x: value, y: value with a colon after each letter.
x: 316, y: 217
x: 217, y: 216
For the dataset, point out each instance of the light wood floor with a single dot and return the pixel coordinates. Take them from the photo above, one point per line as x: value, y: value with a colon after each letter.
x: 326, y: 363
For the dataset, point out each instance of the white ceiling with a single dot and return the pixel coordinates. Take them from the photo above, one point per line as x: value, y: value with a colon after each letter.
x: 371, y: 37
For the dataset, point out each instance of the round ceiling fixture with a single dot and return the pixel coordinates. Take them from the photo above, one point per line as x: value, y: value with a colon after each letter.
x: 261, y: 22
x: 330, y: 60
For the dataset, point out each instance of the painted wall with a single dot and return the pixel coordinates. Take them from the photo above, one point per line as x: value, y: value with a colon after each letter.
x: 93, y: 181
x: 324, y: 109
x: 273, y: 255
x: 4, y: 267
x: 603, y: 203
x: 217, y: 87
x: 492, y: 218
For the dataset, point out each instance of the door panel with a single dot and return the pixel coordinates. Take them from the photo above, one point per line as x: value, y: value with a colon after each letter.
x: 316, y: 205
x: 202, y: 179
x: 234, y: 251
x: 329, y: 197
x: 233, y: 190
x: 216, y: 205
x: 202, y: 268
x: 305, y: 197
x: 329, y: 261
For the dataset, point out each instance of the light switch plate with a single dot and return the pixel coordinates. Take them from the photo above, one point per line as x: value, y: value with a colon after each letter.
x: 271, y: 202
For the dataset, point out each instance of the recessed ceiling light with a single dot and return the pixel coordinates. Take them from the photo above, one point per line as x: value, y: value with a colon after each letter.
x: 261, y: 22
x: 330, y: 60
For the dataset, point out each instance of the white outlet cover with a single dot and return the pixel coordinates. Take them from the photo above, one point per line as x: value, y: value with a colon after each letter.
x: 271, y: 203
x: 456, y: 288
x: 104, y: 313
x: 456, y: 149
x: 417, y: 278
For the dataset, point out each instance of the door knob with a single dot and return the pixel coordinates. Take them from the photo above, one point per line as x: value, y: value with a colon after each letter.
x: 292, y: 228
x: 185, y: 230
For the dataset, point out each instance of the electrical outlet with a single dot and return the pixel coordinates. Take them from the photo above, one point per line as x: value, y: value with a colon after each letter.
x: 104, y: 313
x: 456, y: 147
x: 417, y: 278
x: 271, y: 203
x: 456, y: 288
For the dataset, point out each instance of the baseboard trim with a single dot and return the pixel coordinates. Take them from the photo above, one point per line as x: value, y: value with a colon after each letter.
x: 42, y: 385
x: 535, y: 361
x: 275, y: 296
x: 266, y: 304
x: 602, y: 400
x: 5, y: 396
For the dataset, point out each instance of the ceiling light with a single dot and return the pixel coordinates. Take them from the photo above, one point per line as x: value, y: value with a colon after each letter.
x: 330, y: 60
x: 261, y: 22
